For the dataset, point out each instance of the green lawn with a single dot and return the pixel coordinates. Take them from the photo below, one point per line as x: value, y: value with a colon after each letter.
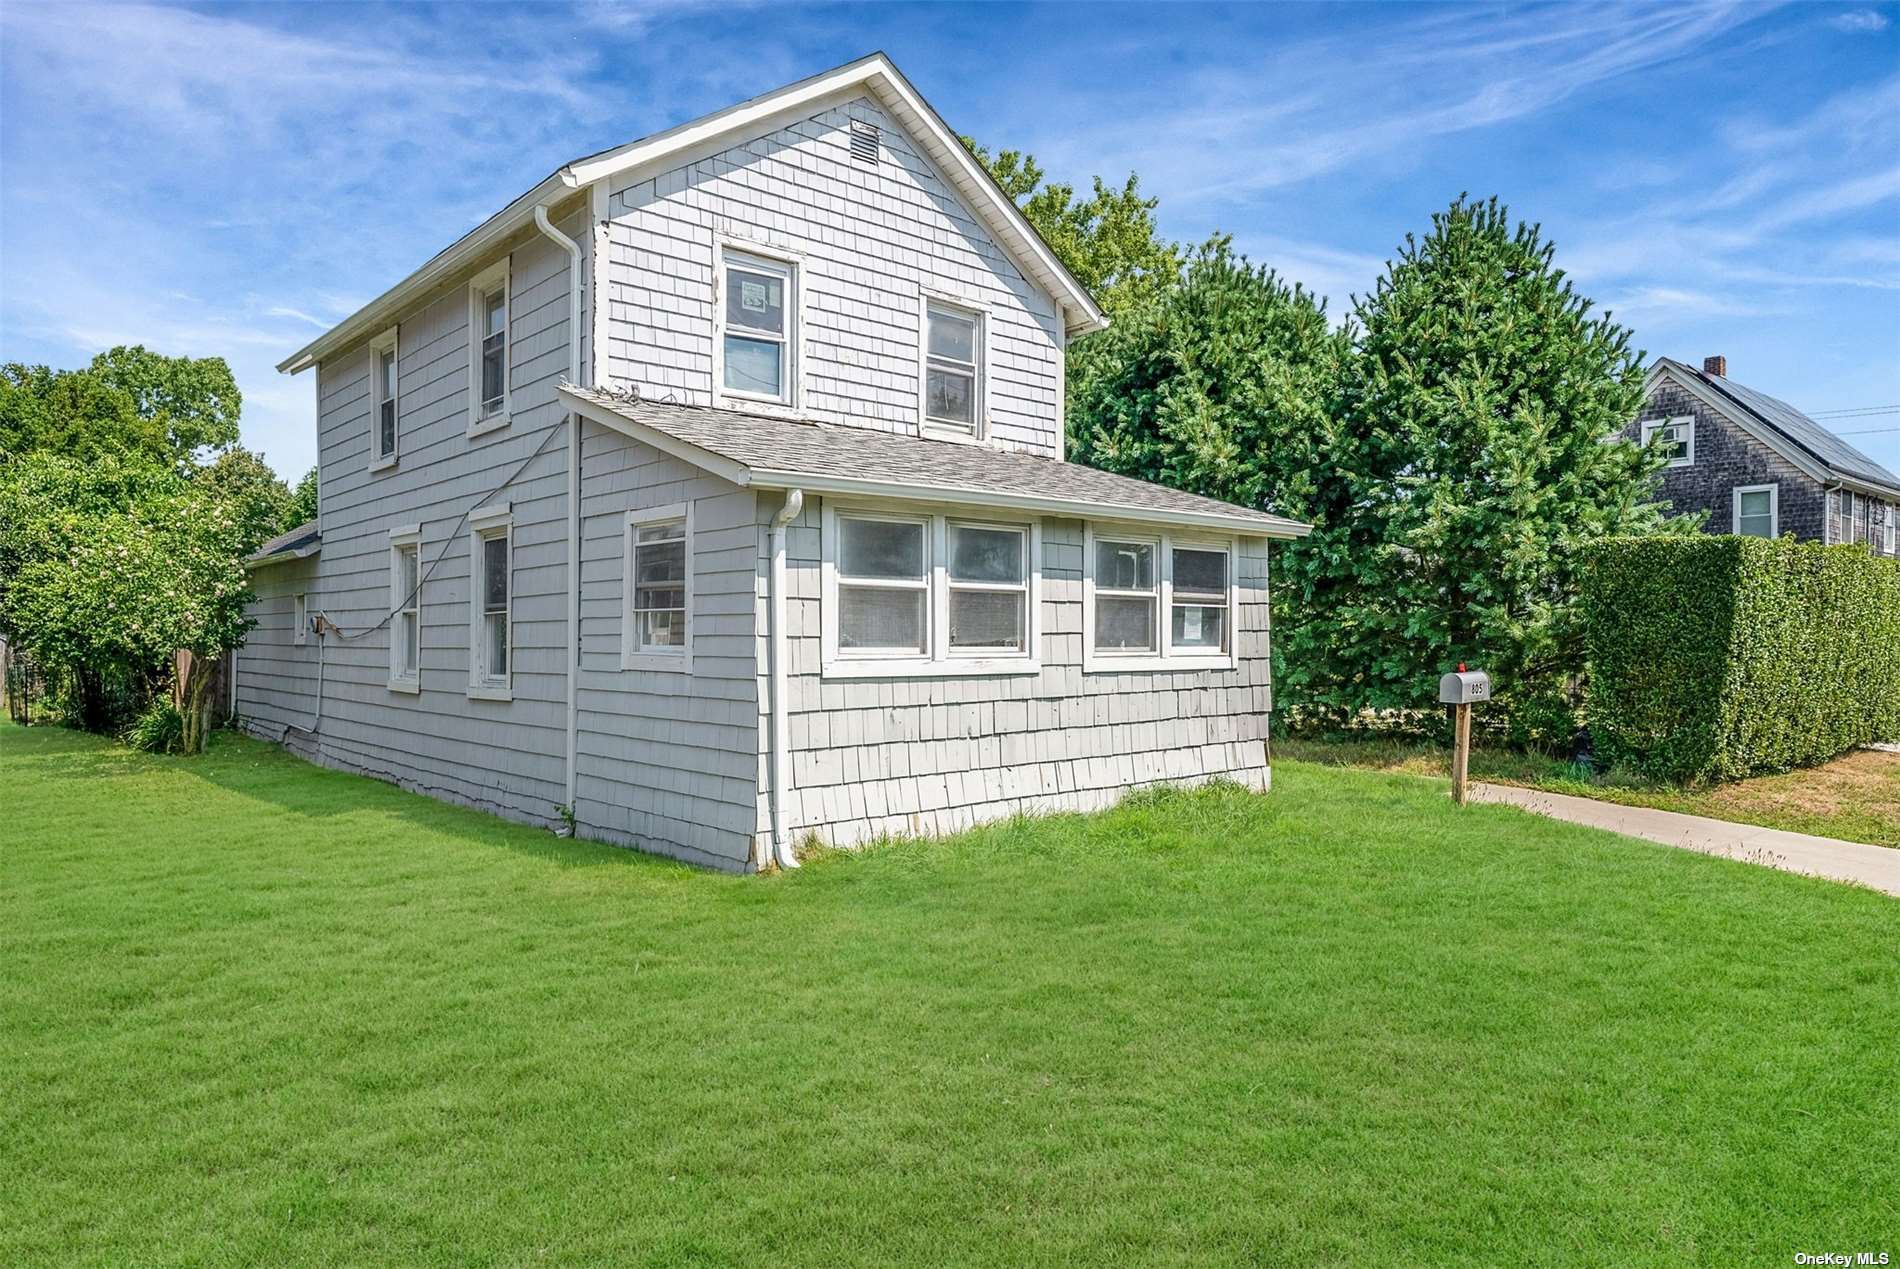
x: 1855, y: 797
x: 253, y: 1012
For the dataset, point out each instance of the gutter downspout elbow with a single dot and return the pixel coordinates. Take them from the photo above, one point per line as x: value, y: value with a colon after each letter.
x: 781, y: 726
x: 573, y: 250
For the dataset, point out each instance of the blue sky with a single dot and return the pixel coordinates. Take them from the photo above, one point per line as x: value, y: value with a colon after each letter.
x: 233, y: 179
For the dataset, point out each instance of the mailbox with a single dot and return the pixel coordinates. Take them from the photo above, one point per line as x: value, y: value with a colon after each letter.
x: 1465, y: 687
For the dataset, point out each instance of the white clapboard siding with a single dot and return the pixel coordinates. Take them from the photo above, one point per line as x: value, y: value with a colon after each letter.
x: 873, y: 240
x: 900, y: 756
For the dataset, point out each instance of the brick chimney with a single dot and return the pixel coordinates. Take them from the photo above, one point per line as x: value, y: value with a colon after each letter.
x: 1717, y: 366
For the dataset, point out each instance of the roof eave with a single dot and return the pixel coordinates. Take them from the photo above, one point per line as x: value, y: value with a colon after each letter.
x: 283, y: 557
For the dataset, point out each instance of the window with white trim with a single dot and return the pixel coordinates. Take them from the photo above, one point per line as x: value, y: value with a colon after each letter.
x: 384, y: 390
x: 405, y: 609
x: 491, y: 590
x: 299, y: 619
x: 658, y: 634
x: 758, y: 327
x: 928, y: 594
x: 488, y: 350
x: 1158, y: 601
x: 1675, y: 437
x: 953, y: 368
x: 1758, y: 511
x: 1893, y: 529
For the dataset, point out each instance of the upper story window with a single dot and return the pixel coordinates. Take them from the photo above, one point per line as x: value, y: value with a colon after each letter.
x: 1677, y: 439
x: 491, y: 586
x: 405, y: 609
x: 908, y: 594
x: 488, y: 350
x: 1156, y: 602
x: 383, y: 395
x: 953, y: 368
x: 758, y: 327
x: 1758, y: 511
x: 659, y: 589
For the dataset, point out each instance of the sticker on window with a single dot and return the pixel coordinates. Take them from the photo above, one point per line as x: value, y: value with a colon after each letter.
x: 752, y: 295
x: 1191, y: 625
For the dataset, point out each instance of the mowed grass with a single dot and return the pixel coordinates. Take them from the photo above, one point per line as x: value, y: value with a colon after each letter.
x: 1855, y: 797
x: 254, y: 1012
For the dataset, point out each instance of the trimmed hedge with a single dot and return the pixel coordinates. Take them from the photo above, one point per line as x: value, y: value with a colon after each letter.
x: 1715, y: 658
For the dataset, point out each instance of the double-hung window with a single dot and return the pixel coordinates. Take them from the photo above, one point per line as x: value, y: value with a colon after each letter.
x: 758, y: 313
x: 405, y: 609
x: 953, y: 369
x: 383, y: 394
x: 491, y: 592
x: 910, y: 594
x: 1758, y: 511
x: 1893, y: 528
x: 488, y: 350
x: 659, y: 589
x: 1155, y: 601
x: 1677, y: 439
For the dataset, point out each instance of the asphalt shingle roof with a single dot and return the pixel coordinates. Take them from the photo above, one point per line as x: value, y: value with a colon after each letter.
x: 1830, y: 450
x: 304, y: 535
x: 783, y: 452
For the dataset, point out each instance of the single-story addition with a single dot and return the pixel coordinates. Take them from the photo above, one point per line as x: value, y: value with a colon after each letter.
x: 1759, y: 466
x: 713, y: 494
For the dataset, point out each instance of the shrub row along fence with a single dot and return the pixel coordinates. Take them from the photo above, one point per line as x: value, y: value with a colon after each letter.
x: 1716, y: 658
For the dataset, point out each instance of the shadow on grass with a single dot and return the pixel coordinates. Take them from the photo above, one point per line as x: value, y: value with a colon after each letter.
x: 267, y: 774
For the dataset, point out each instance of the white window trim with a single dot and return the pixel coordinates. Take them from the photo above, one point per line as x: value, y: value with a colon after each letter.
x: 483, y: 524
x: 633, y: 657
x: 1653, y: 426
x: 796, y: 276
x: 1893, y: 528
x: 478, y: 289
x: 980, y: 403
x: 387, y: 342
x: 1095, y: 661
x: 938, y: 660
x: 1774, y: 507
x: 406, y: 537
x: 300, y: 618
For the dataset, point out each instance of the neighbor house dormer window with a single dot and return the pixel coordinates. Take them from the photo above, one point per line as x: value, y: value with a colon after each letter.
x: 488, y: 350
x: 383, y: 395
x: 1675, y: 437
x: 953, y: 369
x: 758, y: 321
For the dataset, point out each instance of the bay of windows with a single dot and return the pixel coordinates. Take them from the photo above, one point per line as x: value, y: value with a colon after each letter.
x: 1152, y: 601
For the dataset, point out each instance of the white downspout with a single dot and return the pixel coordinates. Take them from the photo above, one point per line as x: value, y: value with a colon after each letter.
x: 781, y: 767
x: 573, y: 491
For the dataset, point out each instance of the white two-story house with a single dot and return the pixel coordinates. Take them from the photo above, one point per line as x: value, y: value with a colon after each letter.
x: 711, y: 495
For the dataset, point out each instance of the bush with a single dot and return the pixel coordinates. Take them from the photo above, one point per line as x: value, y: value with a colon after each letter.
x: 1723, y: 657
x: 160, y: 729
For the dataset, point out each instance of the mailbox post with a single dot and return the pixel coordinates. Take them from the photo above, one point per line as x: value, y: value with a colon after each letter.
x: 1463, y: 688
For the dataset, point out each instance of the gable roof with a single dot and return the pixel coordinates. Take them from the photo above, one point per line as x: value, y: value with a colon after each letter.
x: 299, y: 543
x: 873, y: 75
x: 775, y: 453
x: 1783, y: 428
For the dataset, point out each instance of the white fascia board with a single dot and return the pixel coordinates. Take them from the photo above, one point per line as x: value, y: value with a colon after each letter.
x: 1070, y: 508
x: 704, y: 459
x: 282, y: 557
x: 464, y: 253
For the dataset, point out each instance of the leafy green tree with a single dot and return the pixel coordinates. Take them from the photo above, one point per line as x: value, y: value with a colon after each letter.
x: 1475, y: 454
x: 1108, y: 240
x: 195, y: 400
x: 303, y: 501
x: 130, y: 402
x: 107, y: 567
x: 243, y: 481
x: 1220, y: 386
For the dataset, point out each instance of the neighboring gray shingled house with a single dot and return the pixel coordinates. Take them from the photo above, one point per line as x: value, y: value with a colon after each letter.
x: 1759, y: 466
x: 714, y: 489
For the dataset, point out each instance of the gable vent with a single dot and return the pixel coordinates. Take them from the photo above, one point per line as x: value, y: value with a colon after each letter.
x: 864, y: 138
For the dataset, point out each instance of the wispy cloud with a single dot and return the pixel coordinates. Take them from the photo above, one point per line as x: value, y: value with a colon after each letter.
x: 1858, y: 21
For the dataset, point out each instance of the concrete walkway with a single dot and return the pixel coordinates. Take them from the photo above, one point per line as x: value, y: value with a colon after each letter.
x: 1874, y: 866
